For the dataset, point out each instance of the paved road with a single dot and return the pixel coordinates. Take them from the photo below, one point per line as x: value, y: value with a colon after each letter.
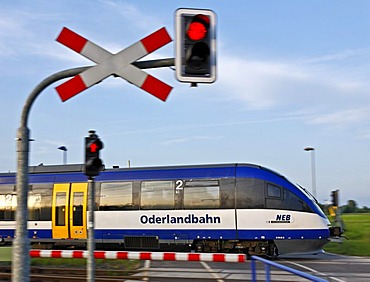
x: 332, y: 267
x: 327, y: 266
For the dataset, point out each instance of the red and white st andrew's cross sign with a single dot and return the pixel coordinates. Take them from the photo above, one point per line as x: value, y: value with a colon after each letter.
x: 119, y: 64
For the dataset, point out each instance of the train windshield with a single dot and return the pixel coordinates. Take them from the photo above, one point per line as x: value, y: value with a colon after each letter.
x: 312, y: 198
x: 308, y: 193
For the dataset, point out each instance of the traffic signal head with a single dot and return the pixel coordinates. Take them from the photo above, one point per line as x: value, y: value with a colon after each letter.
x: 335, y: 198
x: 195, y: 45
x: 93, y: 164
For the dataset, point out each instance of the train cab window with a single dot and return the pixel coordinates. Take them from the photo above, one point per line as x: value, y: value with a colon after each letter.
x: 204, y: 194
x: 282, y: 198
x: 293, y: 202
x: 157, y: 195
x: 273, y: 191
x: 274, y: 197
x: 116, y: 196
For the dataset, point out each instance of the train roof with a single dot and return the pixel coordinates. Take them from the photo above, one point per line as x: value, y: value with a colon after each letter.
x: 74, y: 173
x: 70, y: 168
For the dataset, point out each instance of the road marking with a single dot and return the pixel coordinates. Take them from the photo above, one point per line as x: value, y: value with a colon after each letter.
x: 146, y: 271
x: 318, y: 273
x: 210, y: 270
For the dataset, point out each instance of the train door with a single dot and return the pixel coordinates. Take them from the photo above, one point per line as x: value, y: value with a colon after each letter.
x: 69, y: 211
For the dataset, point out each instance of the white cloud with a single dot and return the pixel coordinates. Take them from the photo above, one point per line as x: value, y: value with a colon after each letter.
x: 260, y: 84
x: 188, y: 139
x: 342, y: 118
x: 133, y: 15
x: 17, y: 32
x: 329, y: 58
x: 293, y: 84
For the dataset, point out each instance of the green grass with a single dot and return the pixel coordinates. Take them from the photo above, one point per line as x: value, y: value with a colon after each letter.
x: 114, y: 267
x: 5, y: 253
x: 357, y: 230
x: 81, y: 263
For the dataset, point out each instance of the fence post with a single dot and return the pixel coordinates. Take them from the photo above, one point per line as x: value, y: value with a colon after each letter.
x: 267, y: 270
x: 253, y: 268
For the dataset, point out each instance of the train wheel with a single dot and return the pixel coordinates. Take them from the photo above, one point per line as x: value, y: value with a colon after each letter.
x: 273, y: 251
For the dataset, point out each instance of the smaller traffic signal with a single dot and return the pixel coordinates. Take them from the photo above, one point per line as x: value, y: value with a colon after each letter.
x: 195, y: 58
x: 93, y: 163
x: 335, y: 198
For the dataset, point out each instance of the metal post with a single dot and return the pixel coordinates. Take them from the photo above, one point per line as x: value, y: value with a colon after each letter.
x: 313, y: 169
x: 254, y: 271
x: 21, y: 244
x: 64, y: 157
x: 160, y: 63
x: 64, y: 149
x: 91, y: 223
x: 267, y: 272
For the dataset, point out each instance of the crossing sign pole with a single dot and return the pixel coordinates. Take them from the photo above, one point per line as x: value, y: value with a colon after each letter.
x: 123, y: 64
x: 21, y: 244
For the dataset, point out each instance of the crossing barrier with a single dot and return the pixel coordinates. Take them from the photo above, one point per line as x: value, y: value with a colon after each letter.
x: 169, y: 256
x: 172, y: 256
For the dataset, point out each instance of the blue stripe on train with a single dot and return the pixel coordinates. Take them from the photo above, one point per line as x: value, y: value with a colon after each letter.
x: 193, y: 234
x: 216, y: 234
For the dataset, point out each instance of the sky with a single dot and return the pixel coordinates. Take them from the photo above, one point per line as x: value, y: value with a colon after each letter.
x: 290, y: 74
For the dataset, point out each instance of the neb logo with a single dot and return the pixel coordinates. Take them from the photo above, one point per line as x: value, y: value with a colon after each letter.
x: 283, y: 217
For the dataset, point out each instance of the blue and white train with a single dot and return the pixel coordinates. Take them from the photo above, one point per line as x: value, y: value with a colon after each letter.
x: 205, y: 208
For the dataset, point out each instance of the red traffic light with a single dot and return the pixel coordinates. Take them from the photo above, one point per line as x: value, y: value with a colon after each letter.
x: 195, y: 59
x: 93, y: 163
x: 95, y: 146
x: 196, y: 31
x: 198, y: 28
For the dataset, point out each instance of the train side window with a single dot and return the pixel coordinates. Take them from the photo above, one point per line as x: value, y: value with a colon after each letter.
x: 60, y: 208
x: 7, y: 210
x: 2, y: 207
x: 250, y: 193
x: 8, y: 205
x: 116, y: 196
x: 204, y: 194
x: 39, y: 202
x: 227, y: 193
x: 34, y: 206
x: 157, y: 195
x: 78, y: 198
